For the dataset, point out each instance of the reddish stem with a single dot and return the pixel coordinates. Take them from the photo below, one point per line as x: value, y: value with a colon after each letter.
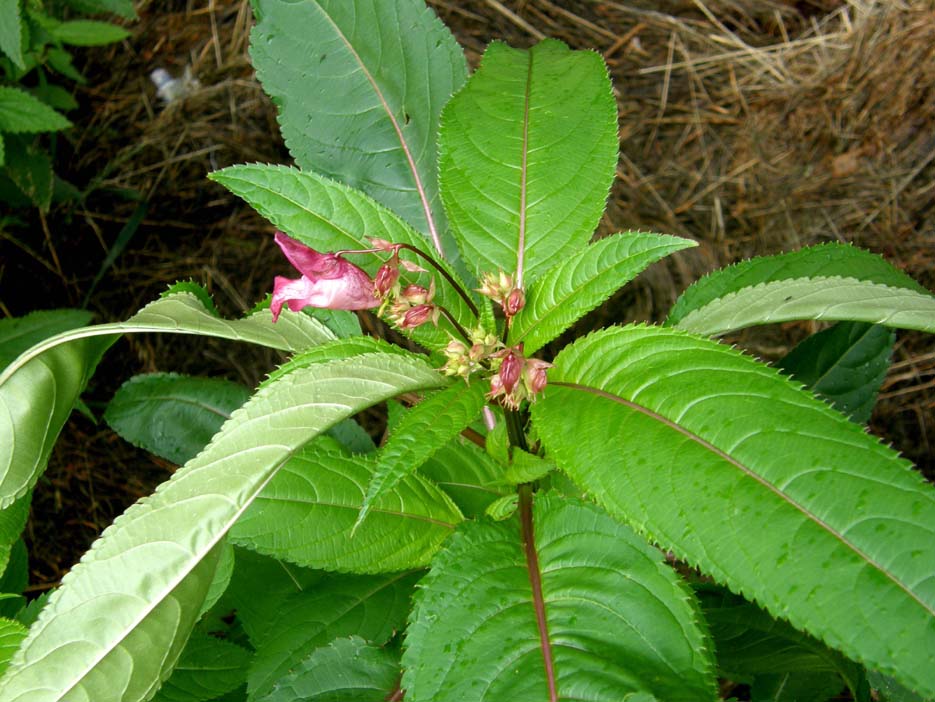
x: 535, y: 581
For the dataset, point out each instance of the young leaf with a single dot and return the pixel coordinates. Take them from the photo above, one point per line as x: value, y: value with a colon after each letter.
x: 739, y: 472
x: 329, y: 216
x: 421, y: 432
x: 306, y: 513
x: 170, y: 415
x: 89, y: 33
x: 583, y: 281
x: 844, y: 364
x: 367, y: 113
x: 30, y: 169
x: 207, y: 668
x: 11, y: 37
x: 831, y: 281
x: 586, y: 611
x: 373, y: 608
x: 528, y: 151
x: 124, y: 8
x: 55, y: 96
x: 467, y: 474
x: 123, y: 612
x: 350, y: 670
x: 20, y: 112
x: 38, y: 390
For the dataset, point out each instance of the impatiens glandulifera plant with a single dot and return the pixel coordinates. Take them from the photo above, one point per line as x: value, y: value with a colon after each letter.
x: 638, y: 515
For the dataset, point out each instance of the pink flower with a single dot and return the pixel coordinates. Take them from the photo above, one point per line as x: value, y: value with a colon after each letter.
x: 328, y: 281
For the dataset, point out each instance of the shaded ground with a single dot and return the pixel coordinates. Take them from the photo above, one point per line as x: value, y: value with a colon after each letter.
x: 750, y: 130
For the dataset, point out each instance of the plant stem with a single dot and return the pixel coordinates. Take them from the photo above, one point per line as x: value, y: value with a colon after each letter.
x: 454, y: 322
x: 514, y: 429
x: 535, y: 582
x: 451, y: 281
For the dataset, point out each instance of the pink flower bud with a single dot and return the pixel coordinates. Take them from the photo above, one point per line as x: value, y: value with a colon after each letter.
x: 417, y: 295
x: 455, y: 348
x: 386, y: 278
x: 534, y: 373
x: 510, y: 370
x: 515, y: 301
x: 328, y: 281
x: 417, y: 316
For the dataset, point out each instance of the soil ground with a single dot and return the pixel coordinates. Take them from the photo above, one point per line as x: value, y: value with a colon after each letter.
x: 752, y: 127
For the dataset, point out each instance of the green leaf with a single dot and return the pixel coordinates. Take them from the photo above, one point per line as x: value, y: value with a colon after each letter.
x: 360, y: 85
x: 831, y: 281
x: 11, y: 33
x: 61, y: 61
x: 21, y: 113
x: 372, y: 607
x: 584, y: 280
x: 207, y: 668
x: 845, y: 364
x: 28, y: 614
x: 343, y: 323
x: 329, y: 216
x: 350, y: 670
x: 89, y: 33
x: 741, y: 473
x: 795, y: 687
x: 527, y: 155
x: 12, y: 634
x: 124, y: 8
x: 38, y: 391
x: 123, y: 612
x: 12, y: 522
x: 173, y: 416
x: 421, y: 432
x: 55, y: 96
x: 526, y: 467
x: 222, y: 577
x: 751, y: 644
x: 17, y: 334
x: 30, y: 169
x: 467, y: 474
x: 618, y: 620
x: 306, y: 513
x: 891, y: 691
x: 258, y: 585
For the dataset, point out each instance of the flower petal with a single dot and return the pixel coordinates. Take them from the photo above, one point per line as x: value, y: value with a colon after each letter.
x: 308, y: 261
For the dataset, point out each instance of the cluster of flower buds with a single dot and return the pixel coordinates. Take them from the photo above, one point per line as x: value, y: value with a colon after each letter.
x: 330, y: 281
x: 501, y: 289
x: 463, y: 360
x: 409, y: 306
x: 517, y: 378
x: 412, y: 306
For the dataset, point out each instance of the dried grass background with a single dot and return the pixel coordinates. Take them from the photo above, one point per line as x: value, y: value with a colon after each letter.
x: 751, y: 126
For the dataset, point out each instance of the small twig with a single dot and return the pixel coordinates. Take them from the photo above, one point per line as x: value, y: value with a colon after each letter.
x: 516, y: 19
